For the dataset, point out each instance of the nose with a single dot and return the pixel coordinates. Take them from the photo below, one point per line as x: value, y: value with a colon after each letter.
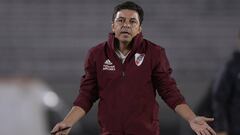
x: 126, y: 24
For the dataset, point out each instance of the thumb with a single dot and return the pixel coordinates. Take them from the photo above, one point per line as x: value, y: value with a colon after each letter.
x: 208, y: 119
x: 59, y: 126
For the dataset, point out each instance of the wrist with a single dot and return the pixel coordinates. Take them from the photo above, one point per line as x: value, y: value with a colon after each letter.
x: 191, y: 118
x: 67, y: 122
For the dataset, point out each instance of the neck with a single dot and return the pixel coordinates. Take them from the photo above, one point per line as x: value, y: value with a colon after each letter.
x: 124, y: 48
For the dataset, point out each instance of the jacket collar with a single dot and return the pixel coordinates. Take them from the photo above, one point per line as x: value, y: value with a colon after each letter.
x: 136, y: 43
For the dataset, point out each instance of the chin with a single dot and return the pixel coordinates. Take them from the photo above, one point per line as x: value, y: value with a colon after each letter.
x: 125, y: 40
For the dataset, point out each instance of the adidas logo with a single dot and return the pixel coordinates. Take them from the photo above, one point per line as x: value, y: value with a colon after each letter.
x: 108, y: 65
x: 108, y: 62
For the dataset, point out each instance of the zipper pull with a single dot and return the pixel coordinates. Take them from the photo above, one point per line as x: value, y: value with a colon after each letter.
x: 123, y: 74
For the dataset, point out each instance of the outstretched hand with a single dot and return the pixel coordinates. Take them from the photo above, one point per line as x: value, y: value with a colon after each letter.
x: 61, y: 129
x: 200, y: 127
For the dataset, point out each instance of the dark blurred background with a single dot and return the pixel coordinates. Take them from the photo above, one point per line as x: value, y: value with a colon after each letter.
x: 48, y: 40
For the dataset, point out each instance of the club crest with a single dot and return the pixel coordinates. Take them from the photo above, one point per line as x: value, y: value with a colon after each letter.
x: 139, y: 58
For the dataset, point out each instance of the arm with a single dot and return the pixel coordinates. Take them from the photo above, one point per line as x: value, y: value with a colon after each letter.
x: 163, y: 82
x: 167, y: 89
x: 197, y: 123
x: 87, y: 96
x: 75, y: 114
x: 185, y: 112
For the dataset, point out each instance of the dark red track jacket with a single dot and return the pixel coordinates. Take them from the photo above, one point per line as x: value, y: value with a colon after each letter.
x: 127, y: 91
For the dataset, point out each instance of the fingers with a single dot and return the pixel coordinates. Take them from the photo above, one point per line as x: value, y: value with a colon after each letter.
x: 211, y: 130
x: 60, y: 129
x: 207, y: 131
x: 200, y: 126
x: 204, y: 132
x: 61, y: 133
x: 208, y: 119
x: 55, y: 129
x: 198, y: 133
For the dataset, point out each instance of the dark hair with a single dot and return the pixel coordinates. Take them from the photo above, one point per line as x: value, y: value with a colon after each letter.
x: 131, y: 6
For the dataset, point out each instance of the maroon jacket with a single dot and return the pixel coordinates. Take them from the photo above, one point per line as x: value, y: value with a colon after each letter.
x: 127, y: 91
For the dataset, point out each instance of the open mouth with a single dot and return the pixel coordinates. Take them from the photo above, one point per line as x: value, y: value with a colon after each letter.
x: 125, y: 32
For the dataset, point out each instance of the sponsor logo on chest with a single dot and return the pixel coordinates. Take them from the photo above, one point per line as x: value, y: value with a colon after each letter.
x: 108, y: 65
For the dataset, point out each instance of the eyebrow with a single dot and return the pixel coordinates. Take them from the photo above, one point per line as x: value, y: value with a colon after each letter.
x: 125, y: 18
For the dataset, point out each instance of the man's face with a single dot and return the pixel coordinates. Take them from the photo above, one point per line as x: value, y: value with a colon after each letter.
x: 126, y: 25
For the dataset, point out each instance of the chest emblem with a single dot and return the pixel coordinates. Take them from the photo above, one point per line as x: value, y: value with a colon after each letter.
x: 108, y: 65
x: 139, y: 58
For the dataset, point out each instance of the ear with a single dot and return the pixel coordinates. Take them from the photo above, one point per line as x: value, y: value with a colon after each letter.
x: 113, y: 28
x: 140, y: 29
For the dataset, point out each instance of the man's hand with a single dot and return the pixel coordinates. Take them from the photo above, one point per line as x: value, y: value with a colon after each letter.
x: 64, y: 127
x: 200, y: 127
x: 61, y: 129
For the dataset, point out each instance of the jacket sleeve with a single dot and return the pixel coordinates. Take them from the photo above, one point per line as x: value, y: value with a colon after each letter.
x: 164, y: 83
x: 88, y: 92
x: 221, y: 94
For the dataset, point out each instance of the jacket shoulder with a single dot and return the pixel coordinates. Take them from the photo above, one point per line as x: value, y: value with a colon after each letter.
x: 153, y: 47
x: 97, y: 48
x: 95, y: 51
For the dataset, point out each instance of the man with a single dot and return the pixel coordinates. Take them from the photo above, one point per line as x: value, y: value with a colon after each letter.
x: 226, y: 97
x: 125, y: 73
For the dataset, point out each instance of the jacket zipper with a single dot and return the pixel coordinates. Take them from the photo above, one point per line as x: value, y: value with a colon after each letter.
x: 123, y: 74
x: 123, y: 68
x: 122, y: 65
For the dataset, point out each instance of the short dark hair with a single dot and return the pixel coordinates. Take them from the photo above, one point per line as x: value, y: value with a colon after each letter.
x: 131, y: 6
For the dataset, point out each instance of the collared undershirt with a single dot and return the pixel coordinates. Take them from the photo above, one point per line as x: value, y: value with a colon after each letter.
x: 121, y: 55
